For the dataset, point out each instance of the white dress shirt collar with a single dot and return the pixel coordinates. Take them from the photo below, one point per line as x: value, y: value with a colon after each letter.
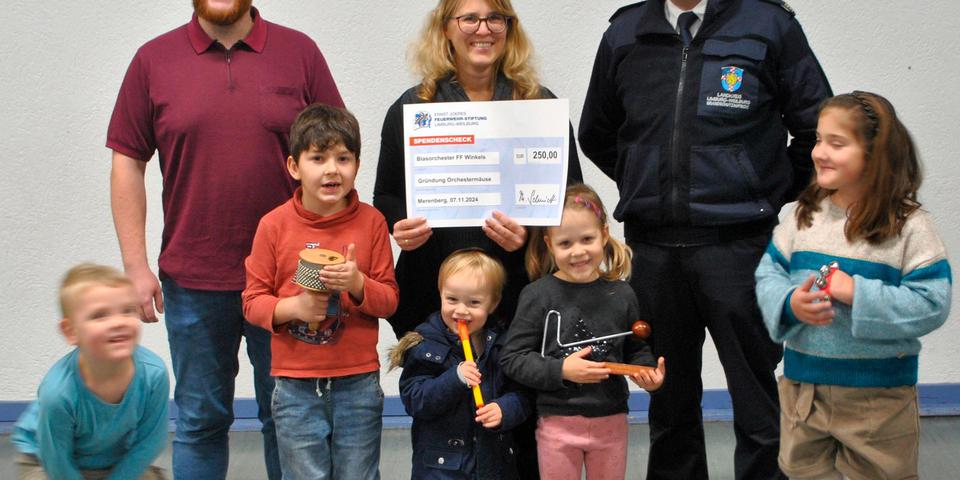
x: 673, y: 12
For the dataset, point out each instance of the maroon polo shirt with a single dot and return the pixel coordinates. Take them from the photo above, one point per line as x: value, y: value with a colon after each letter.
x: 220, y: 121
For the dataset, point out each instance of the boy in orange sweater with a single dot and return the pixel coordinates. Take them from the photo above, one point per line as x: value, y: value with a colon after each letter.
x: 327, y: 402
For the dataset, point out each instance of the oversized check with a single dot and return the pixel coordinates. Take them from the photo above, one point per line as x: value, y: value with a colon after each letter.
x: 463, y: 160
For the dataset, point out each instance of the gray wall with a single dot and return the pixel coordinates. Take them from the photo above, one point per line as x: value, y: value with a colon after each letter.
x: 62, y: 63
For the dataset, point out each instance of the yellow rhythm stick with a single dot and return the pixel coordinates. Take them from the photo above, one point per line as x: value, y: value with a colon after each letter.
x: 468, y: 354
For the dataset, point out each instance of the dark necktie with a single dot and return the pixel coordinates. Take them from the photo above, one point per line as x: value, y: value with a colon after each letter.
x: 684, y: 23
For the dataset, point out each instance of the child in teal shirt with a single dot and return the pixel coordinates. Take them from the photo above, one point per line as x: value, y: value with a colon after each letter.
x: 101, y: 410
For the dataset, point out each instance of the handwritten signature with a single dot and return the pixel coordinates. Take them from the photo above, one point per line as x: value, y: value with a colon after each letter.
x: 536, y: 198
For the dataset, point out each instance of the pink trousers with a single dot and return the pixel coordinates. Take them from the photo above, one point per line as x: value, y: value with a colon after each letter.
x: 566, y: 444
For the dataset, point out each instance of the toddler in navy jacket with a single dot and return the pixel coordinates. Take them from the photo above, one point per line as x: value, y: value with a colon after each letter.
x: 451, y: 437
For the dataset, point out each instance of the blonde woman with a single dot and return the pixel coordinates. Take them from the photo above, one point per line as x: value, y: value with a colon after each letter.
x: 469, y: 50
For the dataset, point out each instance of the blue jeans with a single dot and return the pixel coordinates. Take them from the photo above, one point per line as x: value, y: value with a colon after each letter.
x: 204, y: 330
x: 329, y: 428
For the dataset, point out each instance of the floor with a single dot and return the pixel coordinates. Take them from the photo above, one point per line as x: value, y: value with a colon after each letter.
x: 939, y: 452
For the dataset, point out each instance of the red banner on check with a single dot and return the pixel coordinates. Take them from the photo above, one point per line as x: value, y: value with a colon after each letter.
x: 442, y: 140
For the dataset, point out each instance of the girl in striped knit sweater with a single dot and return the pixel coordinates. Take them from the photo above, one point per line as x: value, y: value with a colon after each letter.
x: 848, y: 395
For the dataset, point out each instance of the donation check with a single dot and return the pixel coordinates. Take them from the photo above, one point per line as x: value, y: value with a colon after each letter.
x: 463, y: 160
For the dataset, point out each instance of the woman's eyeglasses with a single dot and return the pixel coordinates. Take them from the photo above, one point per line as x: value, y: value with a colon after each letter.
x: 470, y: 23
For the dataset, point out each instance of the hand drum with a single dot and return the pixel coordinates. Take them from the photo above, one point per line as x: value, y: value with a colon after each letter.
x: 312, y: 261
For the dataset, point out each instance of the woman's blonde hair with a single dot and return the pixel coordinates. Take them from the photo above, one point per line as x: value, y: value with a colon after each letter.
x: 616, y: 255
x: 433, y: 55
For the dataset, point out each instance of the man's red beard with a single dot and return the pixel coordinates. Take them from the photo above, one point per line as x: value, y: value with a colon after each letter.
x: 222, y: 17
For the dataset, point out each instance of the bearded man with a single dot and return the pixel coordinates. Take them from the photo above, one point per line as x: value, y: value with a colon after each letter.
x: 215, y: 99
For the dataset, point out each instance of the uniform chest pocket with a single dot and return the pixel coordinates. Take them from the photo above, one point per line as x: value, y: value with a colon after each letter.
x: 279, y: 105
x: 729, y: 82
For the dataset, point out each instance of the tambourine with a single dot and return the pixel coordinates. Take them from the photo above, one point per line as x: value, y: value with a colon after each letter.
x: 312, y: 261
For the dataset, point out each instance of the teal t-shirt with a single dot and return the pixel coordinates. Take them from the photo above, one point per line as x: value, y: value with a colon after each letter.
x: 70, y: 429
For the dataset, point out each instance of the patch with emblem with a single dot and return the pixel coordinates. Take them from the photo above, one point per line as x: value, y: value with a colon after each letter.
x: 737, y: 65
x: 731, y: 78
x: 733, y: 95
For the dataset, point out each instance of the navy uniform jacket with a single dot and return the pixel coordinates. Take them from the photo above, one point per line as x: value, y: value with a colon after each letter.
x: 697, y: 136
x: 447, y: 442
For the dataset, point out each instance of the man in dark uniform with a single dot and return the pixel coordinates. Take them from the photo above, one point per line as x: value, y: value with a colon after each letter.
x: 688, y: 110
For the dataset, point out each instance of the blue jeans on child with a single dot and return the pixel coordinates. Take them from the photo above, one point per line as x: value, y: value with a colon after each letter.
x: 204, y: 329
x: 329, y: 428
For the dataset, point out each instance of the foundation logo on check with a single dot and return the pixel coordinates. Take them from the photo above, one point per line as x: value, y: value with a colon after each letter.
x: 421, y: 120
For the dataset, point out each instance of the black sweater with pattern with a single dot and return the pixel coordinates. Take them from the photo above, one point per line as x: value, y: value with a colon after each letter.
x: 582, y: 310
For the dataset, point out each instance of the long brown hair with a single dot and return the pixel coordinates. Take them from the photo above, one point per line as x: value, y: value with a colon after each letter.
x: 616, y: 255
x: 891, y: 171
x: 433, y: 54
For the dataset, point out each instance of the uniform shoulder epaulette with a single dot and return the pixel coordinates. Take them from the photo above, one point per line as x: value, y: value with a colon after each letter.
x: 624, y: 9
x: 782, y: 4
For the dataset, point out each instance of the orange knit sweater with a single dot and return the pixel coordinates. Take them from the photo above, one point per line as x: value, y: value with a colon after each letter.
x: 281, y: 235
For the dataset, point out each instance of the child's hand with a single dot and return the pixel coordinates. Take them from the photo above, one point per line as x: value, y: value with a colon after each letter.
x: 312, y: 306
x: 579, y: 370
x: 469, y: 372
x: 309, y: 306
x: 345, y: 277
x: 490, y: 415
x: 810, y: 307
x: 651, y: 380
x: 841, y: 287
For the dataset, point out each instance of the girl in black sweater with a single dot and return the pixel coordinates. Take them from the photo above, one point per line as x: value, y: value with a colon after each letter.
x: 582, y: 408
